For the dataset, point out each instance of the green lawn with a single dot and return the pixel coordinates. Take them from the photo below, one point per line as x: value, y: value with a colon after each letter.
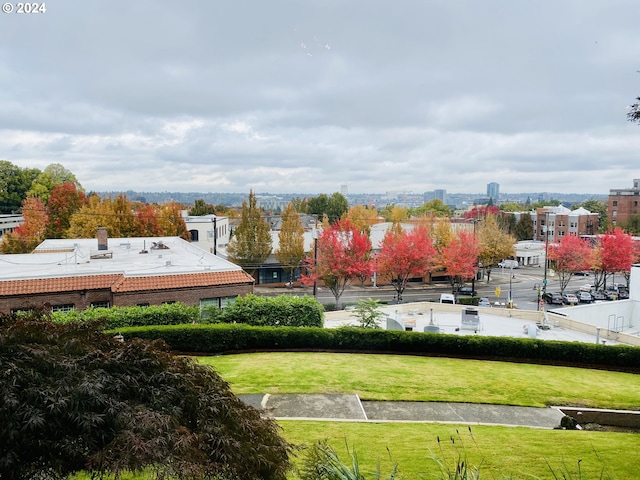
x: 400, y: 377
x: 502, y: 452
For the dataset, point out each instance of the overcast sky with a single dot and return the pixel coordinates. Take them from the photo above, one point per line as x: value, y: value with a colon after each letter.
x: 305, y: 96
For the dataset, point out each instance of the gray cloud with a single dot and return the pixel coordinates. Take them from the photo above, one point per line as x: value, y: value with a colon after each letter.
x: 306, y: 96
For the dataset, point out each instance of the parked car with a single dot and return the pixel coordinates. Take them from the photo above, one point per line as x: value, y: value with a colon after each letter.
x: 509, y: 264
x: 582, y: 273
x: 587, y: 288
x: 584, y: 297
x: 599, y: 295
x: 570, y: 299
x: 484, y: 302
x: 552, y: 298
x: 467, y: 291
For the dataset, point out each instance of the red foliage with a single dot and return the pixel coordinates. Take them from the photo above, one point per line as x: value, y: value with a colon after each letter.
x: 64, y: 201
x: 460, y: 256
x: 571, y: 255
x: 481, y: 212
x: 343, y: 253
x: 146, y: 222
x: 617, y: 251
x: 406, y: 255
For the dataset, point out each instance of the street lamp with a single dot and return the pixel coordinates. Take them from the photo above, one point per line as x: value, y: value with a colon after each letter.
x: 510, y: 294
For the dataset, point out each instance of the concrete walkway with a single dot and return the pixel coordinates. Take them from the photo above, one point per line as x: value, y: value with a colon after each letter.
x: 351, y: 408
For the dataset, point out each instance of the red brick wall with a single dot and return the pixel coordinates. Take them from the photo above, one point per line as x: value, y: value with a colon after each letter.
x: 83, y: 299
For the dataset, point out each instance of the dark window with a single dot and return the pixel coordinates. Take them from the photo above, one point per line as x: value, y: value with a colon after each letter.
x: 194, y: 235
x: 615, y: 203
x: 100, y: 304
x: 67, y: 307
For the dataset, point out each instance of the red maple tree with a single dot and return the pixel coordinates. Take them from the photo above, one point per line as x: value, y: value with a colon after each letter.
x: 405, y: 255
x: 617, y: 252
x: 343, y: 254
x: 571, y: 255
x: 64, y: 201
x: 481, y: 212
x: 460, y: 258
x: 146, y: 222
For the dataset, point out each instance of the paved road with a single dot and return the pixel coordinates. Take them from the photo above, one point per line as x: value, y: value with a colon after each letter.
x: 350, y: 407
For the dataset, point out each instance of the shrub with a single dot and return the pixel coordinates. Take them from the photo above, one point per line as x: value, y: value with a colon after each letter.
x: 233, y: 338
x: 284, y: 310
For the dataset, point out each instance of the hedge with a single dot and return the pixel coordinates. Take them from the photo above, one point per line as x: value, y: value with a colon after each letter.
x: 216, y: 339
x: 284, y: 310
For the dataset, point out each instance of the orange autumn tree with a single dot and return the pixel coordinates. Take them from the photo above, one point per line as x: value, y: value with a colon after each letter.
x: 406, y: 255
x: 26, y: 237
x: 343, y: 254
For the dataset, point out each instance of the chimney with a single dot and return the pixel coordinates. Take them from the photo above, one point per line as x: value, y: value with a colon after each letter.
x: 103, y: 237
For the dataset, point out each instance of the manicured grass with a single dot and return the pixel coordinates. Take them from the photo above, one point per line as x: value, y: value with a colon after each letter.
x: 398, y: 377
x: 501, y: 452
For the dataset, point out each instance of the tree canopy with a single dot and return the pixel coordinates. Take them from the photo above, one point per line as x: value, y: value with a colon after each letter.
x: 75, y: 399
x: 251, y: 242
x: 333, y: 206
x: 290, y: 250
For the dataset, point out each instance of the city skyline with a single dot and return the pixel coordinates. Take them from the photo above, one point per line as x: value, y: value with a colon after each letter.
x: 308, y: 96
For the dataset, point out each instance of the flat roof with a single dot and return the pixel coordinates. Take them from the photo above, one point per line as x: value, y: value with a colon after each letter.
x: 140, y: 256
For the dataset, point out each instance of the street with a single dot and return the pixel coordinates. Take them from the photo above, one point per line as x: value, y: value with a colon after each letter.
x: 523, y: 284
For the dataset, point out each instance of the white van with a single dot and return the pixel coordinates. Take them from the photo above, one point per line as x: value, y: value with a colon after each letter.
x: 509, y: 264
x: 447, y: 298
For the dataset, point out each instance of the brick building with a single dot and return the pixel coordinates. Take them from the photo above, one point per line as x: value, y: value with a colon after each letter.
x: 78, y: 273
x: 623, y: 203
x: 558, y: 222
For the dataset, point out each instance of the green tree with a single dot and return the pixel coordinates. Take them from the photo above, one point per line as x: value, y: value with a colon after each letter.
x: 14, y: 185
x: 632, y: 225
x: 368, y: 313
x: 290, y: 251
x: 512, y: 207
x: 250, y: 245
x: 524, y: 228
x: 434, y: 207
x: 495, y: 244
x: 200, y: 207
x: 333, y: 207
x: 75, y: 399
x: 54, y: 174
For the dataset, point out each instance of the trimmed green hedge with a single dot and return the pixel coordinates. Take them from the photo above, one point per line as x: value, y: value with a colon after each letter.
x: 284, y: 310
x: 211, y: 339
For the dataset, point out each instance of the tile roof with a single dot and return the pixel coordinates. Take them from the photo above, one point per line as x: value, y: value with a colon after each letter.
x: 165, y: 282
x: 58, y: 284
x: 121, y: 284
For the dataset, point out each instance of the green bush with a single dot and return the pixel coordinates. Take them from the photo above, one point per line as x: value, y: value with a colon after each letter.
x: 284, y: 310
x: 118, y: 317
x: 234, y: 338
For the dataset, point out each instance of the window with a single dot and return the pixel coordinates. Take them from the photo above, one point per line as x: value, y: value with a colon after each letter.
x: 194, y: 235
x: 67, y: 307
x: 142, y: 304
x: 615, y: 203
x: 615, y: 213
x: 100, y: 305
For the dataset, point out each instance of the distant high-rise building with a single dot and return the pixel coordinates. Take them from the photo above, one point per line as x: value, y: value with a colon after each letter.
x: 344, y: 190
x: 493, y: 191
x: 440, y: 194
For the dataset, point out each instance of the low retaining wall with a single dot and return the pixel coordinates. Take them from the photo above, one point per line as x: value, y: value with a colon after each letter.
x: 615, y: 418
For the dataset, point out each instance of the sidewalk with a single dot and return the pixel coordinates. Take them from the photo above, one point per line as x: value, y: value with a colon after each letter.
x: 351, y: 408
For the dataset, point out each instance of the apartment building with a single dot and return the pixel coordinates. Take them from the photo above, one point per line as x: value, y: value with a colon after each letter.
x: 623, y: 203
